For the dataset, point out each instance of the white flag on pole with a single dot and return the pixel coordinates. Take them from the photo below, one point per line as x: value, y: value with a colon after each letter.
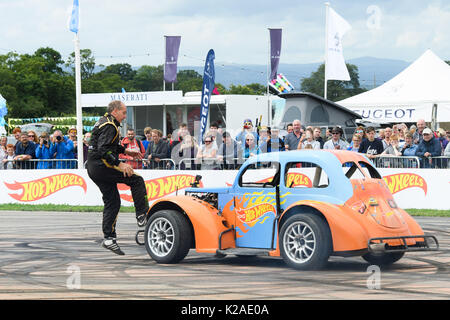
x: 335, y: 68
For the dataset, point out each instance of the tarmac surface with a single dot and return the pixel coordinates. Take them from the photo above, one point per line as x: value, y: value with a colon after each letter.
x: 57, y: 255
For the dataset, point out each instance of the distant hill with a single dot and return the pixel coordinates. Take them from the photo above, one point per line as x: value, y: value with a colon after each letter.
x: 371, y: 70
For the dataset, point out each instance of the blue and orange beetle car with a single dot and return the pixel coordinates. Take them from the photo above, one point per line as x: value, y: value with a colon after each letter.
x: 301, y: 205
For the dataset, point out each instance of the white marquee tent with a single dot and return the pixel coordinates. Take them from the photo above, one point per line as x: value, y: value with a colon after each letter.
x: 409, y: 96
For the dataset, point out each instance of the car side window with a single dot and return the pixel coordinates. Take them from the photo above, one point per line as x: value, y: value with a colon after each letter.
x: 369, y: 170
x: 261, y: 175
x: 352, y: 171
x: 305, y: 175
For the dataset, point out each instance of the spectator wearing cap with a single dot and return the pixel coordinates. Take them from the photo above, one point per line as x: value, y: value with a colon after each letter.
x: 246, y: 129
x: 336, y: 143
x: 428, y: 148
x: 292, y: 139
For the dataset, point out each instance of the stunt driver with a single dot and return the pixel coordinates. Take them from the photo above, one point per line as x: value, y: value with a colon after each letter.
x: 105, y: 169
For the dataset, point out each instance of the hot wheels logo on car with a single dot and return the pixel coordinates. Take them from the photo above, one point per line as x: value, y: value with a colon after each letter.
x: 401, y: 181
x: 41, y: 188
x: 249, y: 215
x: 160, y: 187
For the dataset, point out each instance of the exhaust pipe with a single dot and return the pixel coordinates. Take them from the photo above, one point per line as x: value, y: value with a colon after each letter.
x: 377, y: 247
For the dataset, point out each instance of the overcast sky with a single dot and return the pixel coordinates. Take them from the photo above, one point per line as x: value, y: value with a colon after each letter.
x: 235, y: 29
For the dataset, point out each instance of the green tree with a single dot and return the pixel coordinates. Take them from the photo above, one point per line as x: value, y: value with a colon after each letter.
x: 52, y: 58
x: 188, y: 80
x: 87, y: 63
x: 148, y: 78
x: 124, y: 70
x: 253, y: 89
x: 336, y: 89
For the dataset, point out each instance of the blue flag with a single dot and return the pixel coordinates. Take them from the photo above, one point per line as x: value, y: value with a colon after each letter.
x: 73, y: 25
x: 3, y: 112
x: 208, y: 87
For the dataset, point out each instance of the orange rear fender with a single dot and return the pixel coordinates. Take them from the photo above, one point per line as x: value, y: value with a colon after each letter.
x: 207, y: 224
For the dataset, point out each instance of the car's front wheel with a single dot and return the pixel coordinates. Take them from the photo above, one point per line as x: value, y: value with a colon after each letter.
x: 168, y: 236
x: 305, y: 241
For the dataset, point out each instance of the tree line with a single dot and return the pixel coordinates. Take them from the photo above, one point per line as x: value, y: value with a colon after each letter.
x: 43, y: 83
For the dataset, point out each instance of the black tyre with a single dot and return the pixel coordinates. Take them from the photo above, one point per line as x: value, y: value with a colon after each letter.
x: 168, y: 236
x: 305, y: 241
x: 383, y: 259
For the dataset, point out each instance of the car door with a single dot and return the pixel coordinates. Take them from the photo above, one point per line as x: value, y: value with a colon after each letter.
x: 255, y: 206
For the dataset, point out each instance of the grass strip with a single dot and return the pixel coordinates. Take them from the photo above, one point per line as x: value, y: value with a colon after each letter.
x: 71, y: 208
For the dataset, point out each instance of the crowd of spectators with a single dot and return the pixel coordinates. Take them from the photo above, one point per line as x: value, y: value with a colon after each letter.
x: 220, y: 150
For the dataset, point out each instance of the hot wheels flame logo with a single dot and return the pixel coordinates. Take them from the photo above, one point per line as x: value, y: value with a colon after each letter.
x: 160, y: 187
x: 401, y: 181
x: 41, y: 188
x: 249, y: 215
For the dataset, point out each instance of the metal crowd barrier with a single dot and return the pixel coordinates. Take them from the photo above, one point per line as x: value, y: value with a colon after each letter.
x: 396, y: 162
x: 40, y: 164
x: 210, y: 164
x: 441, y: 162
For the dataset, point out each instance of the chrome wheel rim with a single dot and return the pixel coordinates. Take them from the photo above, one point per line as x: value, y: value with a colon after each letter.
x: 161, y: 237
x: 299, y: 242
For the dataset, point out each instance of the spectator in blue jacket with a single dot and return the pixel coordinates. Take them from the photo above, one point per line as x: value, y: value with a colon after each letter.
x: 429, y: 147
x: 44, y: 150
x: 63, y: 150
x: 409, y: 148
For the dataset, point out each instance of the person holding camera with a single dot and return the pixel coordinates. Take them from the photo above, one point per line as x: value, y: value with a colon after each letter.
x: 63, y: 150
x: 44, y: 151
x: 246, y: 129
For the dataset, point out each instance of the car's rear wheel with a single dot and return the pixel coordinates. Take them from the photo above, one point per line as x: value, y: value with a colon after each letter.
x: 168, y: 236
x: 305, y: 241
x: 384, y: 258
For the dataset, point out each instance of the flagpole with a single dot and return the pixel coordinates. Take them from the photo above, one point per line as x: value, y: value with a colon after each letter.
x: 327, y: 6
x: 268, y: 80
x: 164, y: 65
x: 78, y: 102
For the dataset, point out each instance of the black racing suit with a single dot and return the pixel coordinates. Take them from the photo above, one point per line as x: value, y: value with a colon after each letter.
x: 102, y: 168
